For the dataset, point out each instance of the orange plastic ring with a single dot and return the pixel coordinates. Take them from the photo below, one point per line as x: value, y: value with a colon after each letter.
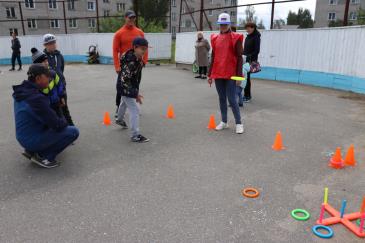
x: 247, y: 192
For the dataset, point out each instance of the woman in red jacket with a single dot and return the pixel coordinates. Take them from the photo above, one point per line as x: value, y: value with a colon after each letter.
x: 226, y: 62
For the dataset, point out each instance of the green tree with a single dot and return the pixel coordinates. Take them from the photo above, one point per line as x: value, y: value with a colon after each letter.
x: 249, y: 16
x: 260, y: 25
x: 278, y: 23
x: 336, y: 23
x: 303, y: 18
x: 361, y: 16
x: 152, y: 12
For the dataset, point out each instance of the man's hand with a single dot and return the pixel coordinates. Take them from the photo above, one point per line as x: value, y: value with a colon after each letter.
x: 210, y: 81
x: 62, y: 102
x: 118, y: 70
x: 238, y: 83
x: 139, y: 99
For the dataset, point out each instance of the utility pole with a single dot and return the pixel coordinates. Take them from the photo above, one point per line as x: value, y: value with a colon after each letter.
x: 136, y: 8
x: 21, y: 17
x: 181, y: 3
x: 97, y: 16
x: 272, y: 14
x: 170, y: 2
x: 64, y: 16
x: 201, y: 20
x: 346, y: 16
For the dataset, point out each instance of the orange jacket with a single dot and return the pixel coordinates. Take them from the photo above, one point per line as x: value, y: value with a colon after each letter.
x: 122, y: 42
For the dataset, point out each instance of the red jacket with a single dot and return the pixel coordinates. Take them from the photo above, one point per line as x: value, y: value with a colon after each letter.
x: 122, y: 42
x: 227, y: 58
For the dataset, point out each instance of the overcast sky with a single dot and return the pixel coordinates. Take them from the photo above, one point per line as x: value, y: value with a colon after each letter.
x: 281, y: 10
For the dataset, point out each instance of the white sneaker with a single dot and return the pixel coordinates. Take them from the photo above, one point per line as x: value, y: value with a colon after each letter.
x: 239, y: 128
x: 221, y: 126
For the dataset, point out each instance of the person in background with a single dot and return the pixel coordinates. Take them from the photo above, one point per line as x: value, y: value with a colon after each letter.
x: 15, y: 46
x: 242, y: 84
x: 226, y: 62
x: 39, y: 130
x: 57, y: 63
x: 122, y: 42
x: 55, y: 89
x: 202, y: 49
x: 131, y: 63
x: 251, y: 50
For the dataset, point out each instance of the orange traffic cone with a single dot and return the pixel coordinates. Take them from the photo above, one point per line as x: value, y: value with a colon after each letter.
x: 278, y: 143
x: 350, y: 156
x: 170, y: 112
x: 336, y: 161
x: 211, y: 124
x: 107, y: 121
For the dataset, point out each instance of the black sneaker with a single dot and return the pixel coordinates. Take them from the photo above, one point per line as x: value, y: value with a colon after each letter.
x: 122, y: 124
x: 139, y: 139
x: 45, y: 163
x: 27, y: 154
x: 20, y: 69
x: 11, y: 69
x: 198, y: 76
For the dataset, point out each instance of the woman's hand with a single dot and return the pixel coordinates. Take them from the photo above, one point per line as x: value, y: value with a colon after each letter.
x: 210, y: 81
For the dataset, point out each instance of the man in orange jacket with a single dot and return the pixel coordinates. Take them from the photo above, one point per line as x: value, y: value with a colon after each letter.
x: 122, y: 42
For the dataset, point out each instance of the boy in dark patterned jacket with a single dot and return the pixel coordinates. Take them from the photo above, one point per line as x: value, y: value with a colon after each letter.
x: 131, y: 63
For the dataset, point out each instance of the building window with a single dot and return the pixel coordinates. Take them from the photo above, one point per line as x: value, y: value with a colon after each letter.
x: 106, y: 1
x: 183, y: 10
x: 226, y: 2
x: 71, y: 4
x: 211, y: 1
x: 72, y: 23
x: 92, y: 23
x: 91, y: 6
x: 106, y: 13
x: 10, y: 13
x: 173, y: 29
x: 355, y: 1
x: 29, y: 3
x: 13, y: 30
x: 233, y: 2
x: 120, y: 7
x: 332, y: 2
x: 54, y: 24
x: 173, y: 3
x: 182, y: 24
x: 188, y: 23
x: 173, y: 16
x: 210, y: 12
x: 52, y: 4
x: 32, y: 24
x: 233, y: 13
x: 353, y: 16
x: 331, y: 16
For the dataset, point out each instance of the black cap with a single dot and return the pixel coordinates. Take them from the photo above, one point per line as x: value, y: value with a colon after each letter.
x: 38, y: 69
x: 129, y: 14
x: 139, y: 41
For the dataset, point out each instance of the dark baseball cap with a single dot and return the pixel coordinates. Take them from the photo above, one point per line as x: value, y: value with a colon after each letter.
x: 38, y: 69
x: 129, y: 14
x: 140, y: 41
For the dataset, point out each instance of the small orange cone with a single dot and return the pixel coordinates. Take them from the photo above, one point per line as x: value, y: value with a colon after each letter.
x: 107, y: 121
x: 350, y: 156
x: 170, y: 112
x: 336, y: 161
x: 278, y: 143
x: 211, y: 124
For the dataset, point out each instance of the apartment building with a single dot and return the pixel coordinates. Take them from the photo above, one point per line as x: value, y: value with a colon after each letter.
x: 189, y: 23
x: 333, y: 10
x: 42, y: 16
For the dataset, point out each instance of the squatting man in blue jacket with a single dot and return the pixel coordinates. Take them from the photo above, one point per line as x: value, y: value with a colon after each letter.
x: 39, y: 130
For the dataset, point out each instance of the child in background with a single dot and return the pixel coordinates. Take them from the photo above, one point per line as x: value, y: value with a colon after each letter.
x: 242, y: 84
x: 57, y: 63
x: 55, y: 89
x: 131, y: 63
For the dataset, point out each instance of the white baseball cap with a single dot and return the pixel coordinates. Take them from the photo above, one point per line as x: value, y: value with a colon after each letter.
x: 224, y: 18
x: 48, y: 38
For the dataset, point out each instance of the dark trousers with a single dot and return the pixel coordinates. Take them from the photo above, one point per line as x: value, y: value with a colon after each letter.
x: 16, y: 56
x: 119, y: 91
x: 203, y: 70
x: 51, y: 143
x: 227, y: 90
x: 66, y: 113
x: 248, y: 86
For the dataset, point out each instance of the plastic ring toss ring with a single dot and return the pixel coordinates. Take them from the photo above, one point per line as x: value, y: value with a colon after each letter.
x: 321, y: 235
x: 295, y: 215
x: 250, y: 192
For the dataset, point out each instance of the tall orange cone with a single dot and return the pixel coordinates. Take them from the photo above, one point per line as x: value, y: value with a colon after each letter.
x: 336, y: 161
x: 170, y: 112
x: 107, y: 120
x: 278, y: 143
x: 211, y: 124
x: 350, y: 156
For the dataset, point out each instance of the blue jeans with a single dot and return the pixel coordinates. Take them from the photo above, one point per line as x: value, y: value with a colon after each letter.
x: 239, y: 95
x: 227, y: 90
x: 51, y: 143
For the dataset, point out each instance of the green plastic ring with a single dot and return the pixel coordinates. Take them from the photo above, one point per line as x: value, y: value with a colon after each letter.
x: 358, y: 223
x: 300, y: 218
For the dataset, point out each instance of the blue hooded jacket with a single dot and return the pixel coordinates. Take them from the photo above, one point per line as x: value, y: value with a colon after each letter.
x: 33, y: 114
